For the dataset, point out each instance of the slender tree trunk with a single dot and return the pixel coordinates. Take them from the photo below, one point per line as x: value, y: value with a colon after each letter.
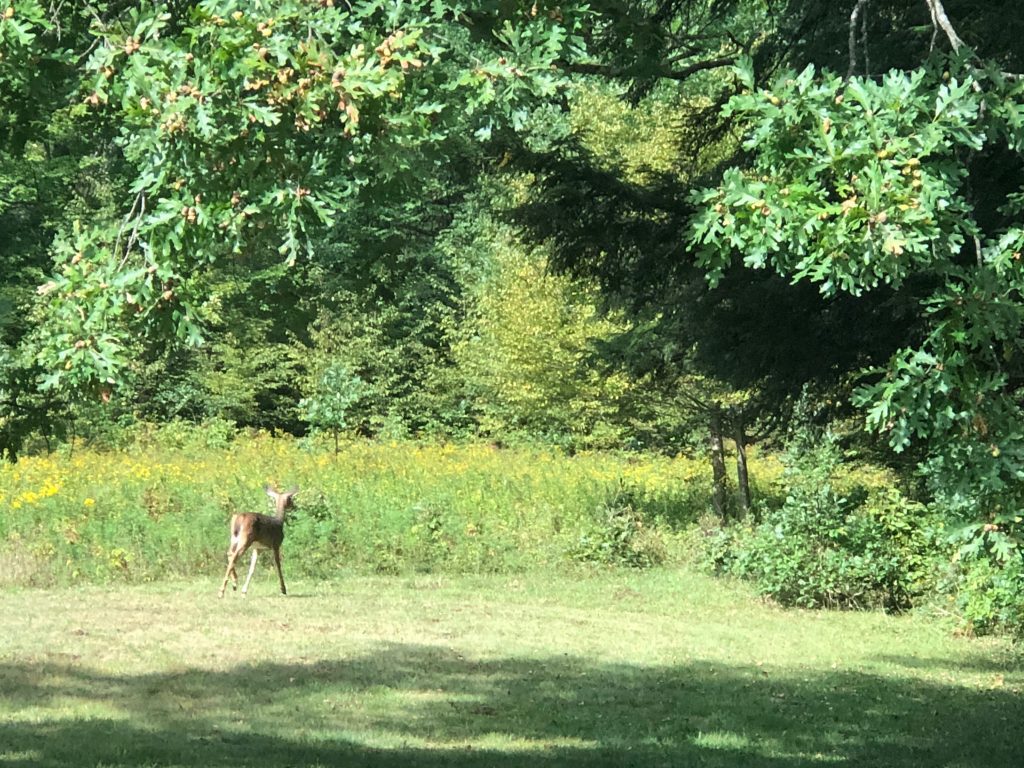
x: 742, y: 476
x: 71, y: 439
x: 719, y: 482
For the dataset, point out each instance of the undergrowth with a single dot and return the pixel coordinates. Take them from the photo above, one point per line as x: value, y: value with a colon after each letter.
x: 838, y: 539
x: 160, y: 509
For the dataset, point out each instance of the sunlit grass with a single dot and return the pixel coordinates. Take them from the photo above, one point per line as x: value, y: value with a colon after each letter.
x: 663, y: 668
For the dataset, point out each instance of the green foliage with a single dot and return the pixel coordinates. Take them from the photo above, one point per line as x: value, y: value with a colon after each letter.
x: 858, y: 183
x: 243, y: 375
x: 639, y: 140
x: 624, y: 535
x: 313, y: 189
x: 25, y: 412
x: 528, y: 355
x: 251, y: 126
x: 328, y: 406
x: 189, y: 437
x: 387, y: 294
x: 54, y: 167
x: 159, y: 507
x: 988, y: 596
x: 26, y: 57
x: 855, y: 182
x: 250, y: 385
x: 986, y: 578
x: 833, y: 546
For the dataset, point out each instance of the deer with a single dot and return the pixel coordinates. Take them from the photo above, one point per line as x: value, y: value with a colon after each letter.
x: 259, y: 532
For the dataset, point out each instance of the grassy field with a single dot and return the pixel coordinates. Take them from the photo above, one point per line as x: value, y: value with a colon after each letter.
x: 154, y: 513
x: 614, y: 668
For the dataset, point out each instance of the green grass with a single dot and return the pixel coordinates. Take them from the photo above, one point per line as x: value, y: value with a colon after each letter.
x: 614, y: 668
x: 154, y: 513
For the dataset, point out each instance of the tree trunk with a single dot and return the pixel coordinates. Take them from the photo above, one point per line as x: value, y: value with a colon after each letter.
x: 719, y: 482
x: 742, y: 476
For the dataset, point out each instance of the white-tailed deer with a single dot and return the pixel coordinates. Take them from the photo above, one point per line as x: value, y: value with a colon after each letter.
x: 258, y: 532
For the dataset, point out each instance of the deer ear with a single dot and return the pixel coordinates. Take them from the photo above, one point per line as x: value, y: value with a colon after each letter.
x: 292, y: 491
x: 270, y: 491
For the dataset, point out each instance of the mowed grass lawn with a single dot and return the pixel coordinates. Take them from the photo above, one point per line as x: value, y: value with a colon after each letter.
x: 618, y: 668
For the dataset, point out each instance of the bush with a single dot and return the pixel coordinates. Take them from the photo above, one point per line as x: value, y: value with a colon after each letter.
x: 833, y: 546
x: 989, y: 596
x: 621, y: 536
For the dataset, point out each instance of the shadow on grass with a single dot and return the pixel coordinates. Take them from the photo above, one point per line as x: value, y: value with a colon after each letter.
x: 957, y: 665
x: 564, y: 711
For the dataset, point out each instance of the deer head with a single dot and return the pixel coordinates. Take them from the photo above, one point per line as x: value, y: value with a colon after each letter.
x: 282, y: 499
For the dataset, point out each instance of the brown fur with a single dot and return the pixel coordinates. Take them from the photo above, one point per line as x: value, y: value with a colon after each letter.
x: 259, y: 532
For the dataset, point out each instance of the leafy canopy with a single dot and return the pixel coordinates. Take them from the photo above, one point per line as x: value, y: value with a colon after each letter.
x: 856, y: 183
x: 249, y: 126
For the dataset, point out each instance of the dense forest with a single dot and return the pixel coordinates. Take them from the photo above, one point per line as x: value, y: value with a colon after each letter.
x: 671, y: 226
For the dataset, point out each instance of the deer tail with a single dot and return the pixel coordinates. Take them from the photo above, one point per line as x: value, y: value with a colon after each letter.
x: 236, y: 530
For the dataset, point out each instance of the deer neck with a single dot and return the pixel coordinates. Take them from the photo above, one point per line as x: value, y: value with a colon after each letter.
x: 281, y: 503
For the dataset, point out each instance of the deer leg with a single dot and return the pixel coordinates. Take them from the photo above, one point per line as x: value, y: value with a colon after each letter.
x: 280, y: 575
x: 232, y: 556
x: 252, y: 567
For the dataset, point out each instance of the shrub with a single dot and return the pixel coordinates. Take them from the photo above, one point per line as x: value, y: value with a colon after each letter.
x: 832, y: 546
x: 621, y: 536
x: 989, y: 596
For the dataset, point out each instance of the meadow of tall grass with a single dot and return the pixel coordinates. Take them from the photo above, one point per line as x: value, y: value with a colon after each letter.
x: 160, y: 508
